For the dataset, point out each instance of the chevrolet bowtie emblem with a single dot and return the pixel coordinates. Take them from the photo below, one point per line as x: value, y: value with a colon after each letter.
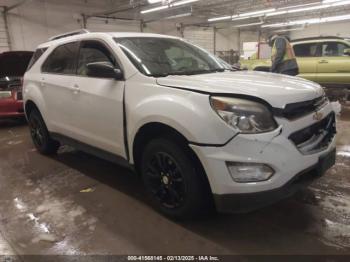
x: 318, y: 116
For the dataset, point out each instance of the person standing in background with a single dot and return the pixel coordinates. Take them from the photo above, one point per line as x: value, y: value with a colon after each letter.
x: 283, y: 57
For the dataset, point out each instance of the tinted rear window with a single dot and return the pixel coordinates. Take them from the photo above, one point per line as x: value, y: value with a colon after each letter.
x: 14, y: 63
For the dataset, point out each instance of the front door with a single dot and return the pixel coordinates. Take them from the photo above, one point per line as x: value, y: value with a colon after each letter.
x: 97, y: 116
x: 334, y: 65
x: 307, y: 55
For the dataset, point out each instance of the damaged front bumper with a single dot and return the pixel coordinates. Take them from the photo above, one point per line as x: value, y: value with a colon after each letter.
x: 277, y: 150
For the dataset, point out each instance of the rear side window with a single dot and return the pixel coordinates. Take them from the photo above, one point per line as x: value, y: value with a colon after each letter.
x: 307, y: 50
x: 38, y: 53
x: 62, y: 60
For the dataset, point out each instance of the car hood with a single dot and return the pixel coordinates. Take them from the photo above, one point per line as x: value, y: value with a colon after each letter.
x: 278, y: 90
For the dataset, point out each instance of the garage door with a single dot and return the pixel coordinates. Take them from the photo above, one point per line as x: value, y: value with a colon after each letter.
x: 112, y: 25
x: 4, y: 43
x: 203, y: 37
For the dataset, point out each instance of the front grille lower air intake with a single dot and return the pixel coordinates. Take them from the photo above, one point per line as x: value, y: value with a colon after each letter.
x: 316, y: 137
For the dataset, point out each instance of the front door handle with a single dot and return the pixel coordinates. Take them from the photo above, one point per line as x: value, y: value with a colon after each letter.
x: 76, y: 89
x: 42, y: 82
x: 323, y: 62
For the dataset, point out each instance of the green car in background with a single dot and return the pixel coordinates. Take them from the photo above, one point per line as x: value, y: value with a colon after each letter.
x: 325, y: 60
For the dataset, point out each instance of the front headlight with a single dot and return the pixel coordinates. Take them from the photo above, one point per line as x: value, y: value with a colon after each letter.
x: 245, y: 116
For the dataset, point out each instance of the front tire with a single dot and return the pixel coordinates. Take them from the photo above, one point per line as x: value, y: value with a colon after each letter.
x: 40, y: 135
x: 175, y: 185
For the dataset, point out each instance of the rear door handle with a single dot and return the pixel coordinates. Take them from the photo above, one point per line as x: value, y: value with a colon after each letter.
x: 323, y: 62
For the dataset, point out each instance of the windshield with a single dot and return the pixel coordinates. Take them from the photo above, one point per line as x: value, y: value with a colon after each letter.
x: 166, y: 56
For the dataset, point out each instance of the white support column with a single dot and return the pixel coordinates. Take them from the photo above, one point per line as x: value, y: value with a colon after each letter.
x: 5, y: 44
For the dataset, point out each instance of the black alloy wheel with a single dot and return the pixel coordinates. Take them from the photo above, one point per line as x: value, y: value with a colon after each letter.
x: 164, y: 177
x: 36, y: 132
x: 40, y: 135
x: 175, y: 185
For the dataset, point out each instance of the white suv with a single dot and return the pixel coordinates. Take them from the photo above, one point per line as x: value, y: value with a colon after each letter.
x: 200, y: 134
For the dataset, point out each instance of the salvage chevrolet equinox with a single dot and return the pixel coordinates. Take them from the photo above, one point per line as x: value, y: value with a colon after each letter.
x: 201, y: 135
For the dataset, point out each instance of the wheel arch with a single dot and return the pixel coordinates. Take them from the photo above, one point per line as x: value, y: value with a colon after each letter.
x: 29, y: 106
x: 153, y: 130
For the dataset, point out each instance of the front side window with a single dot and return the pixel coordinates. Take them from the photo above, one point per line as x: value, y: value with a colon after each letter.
x: 62, y: 60
x: 93, y: 52
x: 307, y: 50
x: 333, y: 49
x: 166, y: 56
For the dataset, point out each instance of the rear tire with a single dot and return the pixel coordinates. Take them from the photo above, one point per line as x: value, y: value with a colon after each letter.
x: 175, y: 186
x: 40, y: 135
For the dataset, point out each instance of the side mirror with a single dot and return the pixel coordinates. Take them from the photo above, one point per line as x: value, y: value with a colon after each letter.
x: 104, y: 70
x: 347, y: 51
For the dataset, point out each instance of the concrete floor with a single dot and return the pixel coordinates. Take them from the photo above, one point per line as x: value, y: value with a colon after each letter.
x: 46, y: 209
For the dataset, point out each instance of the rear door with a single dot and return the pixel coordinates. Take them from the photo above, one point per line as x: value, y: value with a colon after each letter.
x: 307, y: 55
x: 58, y: 75
x: 97, y: 103
x: 334, y: 65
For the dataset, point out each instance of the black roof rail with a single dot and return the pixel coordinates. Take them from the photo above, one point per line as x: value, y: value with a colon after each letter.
x: 317, y: 38
x: 77, y: 32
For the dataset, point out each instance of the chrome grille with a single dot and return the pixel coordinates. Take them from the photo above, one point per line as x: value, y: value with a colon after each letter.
x: 300, y: 109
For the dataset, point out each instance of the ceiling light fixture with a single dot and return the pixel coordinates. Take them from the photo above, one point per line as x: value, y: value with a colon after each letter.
x: 219, y: 18
x: 296, y: 6
x: 178, y: 3
x: 177, y: 16
x: 251, y: 24
x: 261, y: 12
x: 331, y: 1
x: 285, y: 10
x: 183, y: 2
x: 310, y: 21
x: 298, y: 10
x: 154, y: 1
x: 154, y: 9
x: 243, y: 15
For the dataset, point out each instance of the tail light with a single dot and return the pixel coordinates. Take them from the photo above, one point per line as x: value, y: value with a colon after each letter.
x: 16, y: 90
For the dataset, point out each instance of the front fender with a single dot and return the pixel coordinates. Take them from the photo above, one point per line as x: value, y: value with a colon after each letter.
x: 187, y: 112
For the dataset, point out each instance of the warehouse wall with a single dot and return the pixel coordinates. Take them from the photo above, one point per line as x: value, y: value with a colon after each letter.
x: 328, y: 29
x: 233, y: 38
x: 162, y: 27
x: 37, y: 20
x: 227, y: 39
x: 4, y: 45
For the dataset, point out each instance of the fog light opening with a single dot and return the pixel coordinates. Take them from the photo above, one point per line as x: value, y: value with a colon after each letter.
x: 249, y: 172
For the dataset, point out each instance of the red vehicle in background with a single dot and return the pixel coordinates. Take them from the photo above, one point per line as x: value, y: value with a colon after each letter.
x: 12, y: 68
